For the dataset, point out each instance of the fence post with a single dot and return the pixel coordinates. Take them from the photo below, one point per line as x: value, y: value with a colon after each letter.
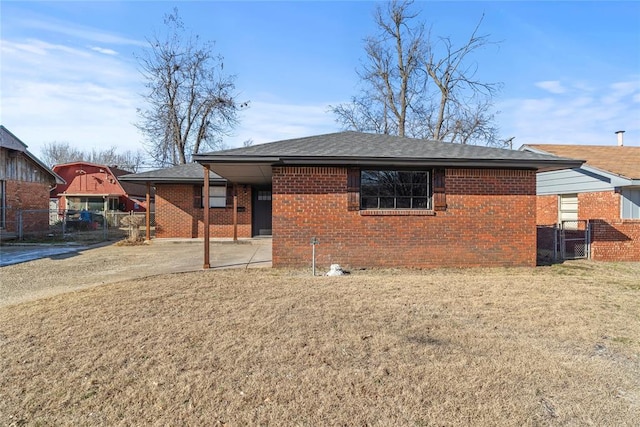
x: 588, y: 240
x: 555, y: 243
x: 105, y: 230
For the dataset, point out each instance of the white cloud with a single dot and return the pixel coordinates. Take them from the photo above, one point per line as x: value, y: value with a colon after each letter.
x: 104, y: 50
x: 54, y: 92
x: 80, y: 32
x: 553, y: 86
x: 30, y: 47
x: 576, y: 117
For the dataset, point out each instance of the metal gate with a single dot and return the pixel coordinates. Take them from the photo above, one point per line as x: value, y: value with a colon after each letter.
x: 575, y: 238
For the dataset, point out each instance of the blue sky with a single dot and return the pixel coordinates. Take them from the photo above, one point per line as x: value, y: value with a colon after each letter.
x: 571, y: 70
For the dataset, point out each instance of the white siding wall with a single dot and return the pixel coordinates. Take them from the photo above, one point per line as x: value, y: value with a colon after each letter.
x: 569, y: 181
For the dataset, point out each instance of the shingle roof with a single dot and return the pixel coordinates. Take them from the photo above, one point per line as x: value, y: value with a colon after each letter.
x: 360, y: 146
x: 187, y: 173
x: 623, y: 161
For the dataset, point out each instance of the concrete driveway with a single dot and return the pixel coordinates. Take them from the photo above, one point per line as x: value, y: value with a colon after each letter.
x: 68, y: 268
x: 15, y: 254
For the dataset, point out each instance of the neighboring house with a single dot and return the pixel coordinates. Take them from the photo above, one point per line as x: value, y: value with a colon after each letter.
x: 96, y: 188
x: 386, y: 201
x: 179, y: 209
x: 24, y: 186
x: 605, y: 191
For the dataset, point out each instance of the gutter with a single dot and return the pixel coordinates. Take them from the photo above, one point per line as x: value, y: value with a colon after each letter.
x: 171, y: 180
x: 544, y: 164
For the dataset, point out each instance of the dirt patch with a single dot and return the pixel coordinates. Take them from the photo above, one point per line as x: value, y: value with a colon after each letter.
x: 548, y: 346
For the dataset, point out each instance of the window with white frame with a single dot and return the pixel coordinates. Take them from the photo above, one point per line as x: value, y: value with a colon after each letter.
x: 217, y: 196
x: 630, y: 203
x: 568, y: 210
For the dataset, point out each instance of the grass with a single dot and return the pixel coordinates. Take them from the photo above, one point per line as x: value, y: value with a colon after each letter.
x: 556, y: 345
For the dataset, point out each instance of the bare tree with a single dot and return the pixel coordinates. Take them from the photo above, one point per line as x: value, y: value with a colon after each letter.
x: 192, y: 103
x: 56, y: 153
x: 414, y: 86
x: 463, y: 110
x: 127, y: 160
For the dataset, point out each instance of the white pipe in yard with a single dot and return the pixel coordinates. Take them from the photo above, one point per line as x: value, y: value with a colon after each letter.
x: 314, y: 242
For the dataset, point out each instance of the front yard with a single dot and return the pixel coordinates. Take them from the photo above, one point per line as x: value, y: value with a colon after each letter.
x: 553, y: 345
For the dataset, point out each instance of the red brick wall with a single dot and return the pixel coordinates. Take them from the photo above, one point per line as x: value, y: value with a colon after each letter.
x: 22, y: 195
x: 612, y: 239
x: 489, y: 221
x: 547, y: 210
x: 615, y: 240
x: 599, y: 205
x: 176, y: 215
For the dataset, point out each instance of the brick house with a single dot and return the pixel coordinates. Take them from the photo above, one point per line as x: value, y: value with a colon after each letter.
x: 97, y: 188
x: 386, y: 201
x: 24, y: 186
x: 605, y: 191
x: 179, y: 208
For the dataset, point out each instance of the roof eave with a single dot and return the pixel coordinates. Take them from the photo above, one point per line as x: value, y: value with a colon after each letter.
x: 168, y: 180
x: 91, y: 194
x: 614, y: 177
x: 545, y: 165
x: 208, y: 158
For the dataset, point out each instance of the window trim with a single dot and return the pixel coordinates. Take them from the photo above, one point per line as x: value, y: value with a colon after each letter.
x: 220, y: 198
x: 380, y: 210
x: 628, y: 204
x: 198, y: 196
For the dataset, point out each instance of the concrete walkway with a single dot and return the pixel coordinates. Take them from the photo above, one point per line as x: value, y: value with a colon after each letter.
x: 75, y: 268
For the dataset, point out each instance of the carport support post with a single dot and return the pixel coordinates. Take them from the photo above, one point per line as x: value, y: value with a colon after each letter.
x: 235, y: 212
x: 148, y: 213
x: 205, y: 201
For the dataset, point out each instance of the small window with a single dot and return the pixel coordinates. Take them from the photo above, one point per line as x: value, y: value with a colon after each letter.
x: 568, y: 211
x: 395, y: 189
x: 631, y: 203
x: 217, y: 196
x: 113, y: 203
x: 264, y: 195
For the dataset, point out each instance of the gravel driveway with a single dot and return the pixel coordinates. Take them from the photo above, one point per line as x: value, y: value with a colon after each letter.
x: 94, y: 266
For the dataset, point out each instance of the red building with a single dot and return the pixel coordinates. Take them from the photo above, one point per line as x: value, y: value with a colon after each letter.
x: 96, y: 188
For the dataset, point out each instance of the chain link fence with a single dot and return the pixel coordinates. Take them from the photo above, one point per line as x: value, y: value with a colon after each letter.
x: 72, y: 225
x: 567, y: 240
x: 547, y: 244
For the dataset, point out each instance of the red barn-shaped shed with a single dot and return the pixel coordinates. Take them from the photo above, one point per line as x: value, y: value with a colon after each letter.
x: 95, y: 187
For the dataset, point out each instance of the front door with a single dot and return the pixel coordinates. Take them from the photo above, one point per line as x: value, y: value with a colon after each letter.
x: 261, y: 220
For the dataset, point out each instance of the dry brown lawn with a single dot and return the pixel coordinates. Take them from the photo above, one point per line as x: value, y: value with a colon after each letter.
x: 555, y: 345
